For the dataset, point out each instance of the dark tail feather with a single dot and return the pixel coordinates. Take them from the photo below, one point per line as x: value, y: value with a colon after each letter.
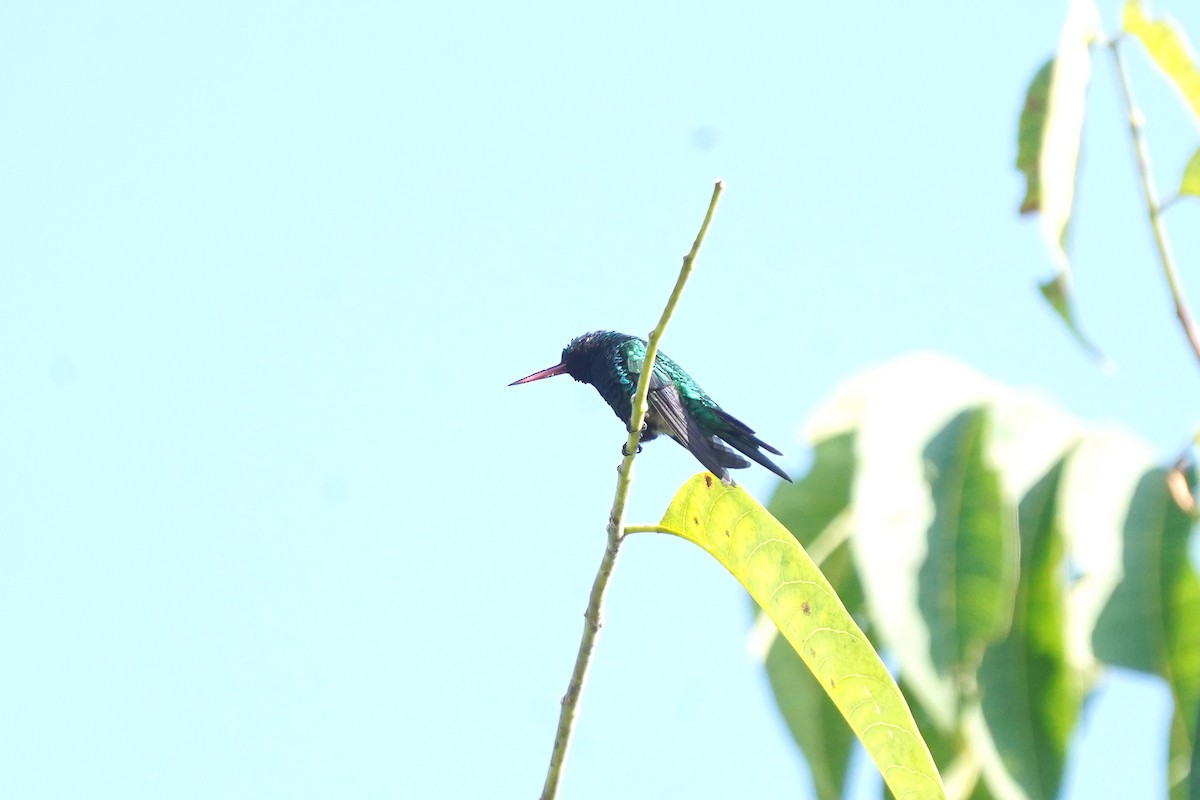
x: 708, y: 450
x: 742, y: 439
x: 754, y: 455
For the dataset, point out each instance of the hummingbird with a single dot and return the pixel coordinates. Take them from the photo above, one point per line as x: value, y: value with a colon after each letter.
x: 613, y: 362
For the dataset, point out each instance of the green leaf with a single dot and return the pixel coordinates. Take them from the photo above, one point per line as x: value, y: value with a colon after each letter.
x: 1179, y: 758
x: 815, y: 722
x: 1058, y: 157
x: 808, y: 506
x: 1191, y: 176
x: 960, y: 770
x: 969, y: 578
x: 1057, y: 292
x: 1169, y: 49
x: 1030, y: 130
x: 893, y: 412
x: 812, y: 508
x: 743, y: 536
x: 1152, y: 605
x: 1031, y: 696
x: 897, y: 409
x: 1048, y: 137
x: 1098, y: 485
x: 1194, y: 783
x: 1149, y: 622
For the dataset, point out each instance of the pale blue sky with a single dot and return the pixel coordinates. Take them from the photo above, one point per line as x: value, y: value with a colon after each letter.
x: 273, y: 524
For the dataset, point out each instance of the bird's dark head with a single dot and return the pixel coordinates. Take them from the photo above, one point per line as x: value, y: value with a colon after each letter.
x: 581, y: 357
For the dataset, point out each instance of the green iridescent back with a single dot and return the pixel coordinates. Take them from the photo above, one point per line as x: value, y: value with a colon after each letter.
x: 631, y: 358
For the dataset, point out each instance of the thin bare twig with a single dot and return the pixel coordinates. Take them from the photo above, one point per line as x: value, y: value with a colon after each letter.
x: 1142, y: 154
x: 616, y: 523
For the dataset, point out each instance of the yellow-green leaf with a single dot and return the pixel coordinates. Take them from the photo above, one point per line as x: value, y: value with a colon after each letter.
x: 743, y: 536
x: 813, y: 510
x: 1169, y: 49
x: 1191, y: 176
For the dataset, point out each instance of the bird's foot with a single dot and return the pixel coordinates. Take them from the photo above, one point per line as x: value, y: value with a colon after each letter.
x: 625, y: 449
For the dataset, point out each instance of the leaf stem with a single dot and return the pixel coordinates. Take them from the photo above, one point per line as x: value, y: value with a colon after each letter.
x: 1153, y: 206
x: 616, y: 523
x: 649, y: 529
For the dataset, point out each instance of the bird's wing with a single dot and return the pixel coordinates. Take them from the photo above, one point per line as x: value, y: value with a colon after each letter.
x: 670, y: 415
x: 667, y: 409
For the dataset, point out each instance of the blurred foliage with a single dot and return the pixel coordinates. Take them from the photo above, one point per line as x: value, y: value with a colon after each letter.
x: 998, y: 552
x: 1051, y: 125
x: 1001, y: 554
